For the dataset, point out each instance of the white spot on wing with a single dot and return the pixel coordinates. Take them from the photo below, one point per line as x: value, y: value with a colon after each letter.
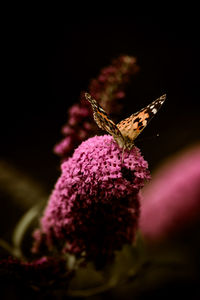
x: 154, y: 111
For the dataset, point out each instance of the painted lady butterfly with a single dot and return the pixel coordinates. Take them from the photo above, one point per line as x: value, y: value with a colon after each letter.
x: 126, y: 131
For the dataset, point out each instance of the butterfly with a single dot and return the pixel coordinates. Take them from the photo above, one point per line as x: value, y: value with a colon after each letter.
x: 126, y: 131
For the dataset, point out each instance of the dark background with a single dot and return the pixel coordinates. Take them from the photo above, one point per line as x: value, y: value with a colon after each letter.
x: 46, y: 63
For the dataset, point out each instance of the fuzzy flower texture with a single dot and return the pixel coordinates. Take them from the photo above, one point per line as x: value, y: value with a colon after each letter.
x: 94, y: 207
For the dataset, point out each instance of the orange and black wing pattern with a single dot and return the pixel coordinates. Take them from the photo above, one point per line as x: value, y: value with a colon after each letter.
x: 131, y: 127
x: 103, y: 120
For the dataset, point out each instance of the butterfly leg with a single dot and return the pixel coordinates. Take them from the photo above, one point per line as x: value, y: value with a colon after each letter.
x: 122, y: 161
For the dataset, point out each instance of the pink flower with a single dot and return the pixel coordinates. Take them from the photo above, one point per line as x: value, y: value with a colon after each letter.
x: 107, y: 89
x: 44, y: 274
x: 172, y: 199
x: 110, y: 84
x: 94, y: 207
x: 76, y: 130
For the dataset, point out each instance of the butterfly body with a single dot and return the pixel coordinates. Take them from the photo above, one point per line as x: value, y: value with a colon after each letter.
x: 126, y: 131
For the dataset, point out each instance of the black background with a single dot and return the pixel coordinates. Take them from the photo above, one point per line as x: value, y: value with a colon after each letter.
x: 47, y: 62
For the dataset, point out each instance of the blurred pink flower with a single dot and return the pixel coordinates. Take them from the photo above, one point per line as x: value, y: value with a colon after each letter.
x: 172, y: 199
x: 107, y: 89
x: 77, y: 129
x: 109, y: 85
x: 46, y: 273
x: 94, y: 207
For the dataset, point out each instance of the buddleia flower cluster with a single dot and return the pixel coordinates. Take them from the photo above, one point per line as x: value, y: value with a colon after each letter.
x: 94, y: 207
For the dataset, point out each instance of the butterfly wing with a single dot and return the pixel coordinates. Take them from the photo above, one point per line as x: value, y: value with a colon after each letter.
x: 131, y: 127
x: 103, y: 120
